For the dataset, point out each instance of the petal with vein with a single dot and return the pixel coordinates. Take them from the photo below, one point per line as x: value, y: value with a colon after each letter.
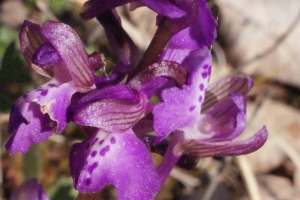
x: 72, y: 52
x: 223, y: 88
x: 202, y: 148
x: 30, y: 39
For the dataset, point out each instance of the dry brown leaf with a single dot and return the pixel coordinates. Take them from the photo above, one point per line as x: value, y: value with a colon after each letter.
x: 276, y: 187
x: 8, y: 15
x: 139, y: 24
x: 262, y: 37
x: 281, y: 121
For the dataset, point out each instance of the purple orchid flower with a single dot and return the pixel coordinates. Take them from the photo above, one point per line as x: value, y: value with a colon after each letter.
x: 29, y: 190
x: 203, y: 119
x: 116, y: 115
x: 56, y: 51
x: 112, y: 153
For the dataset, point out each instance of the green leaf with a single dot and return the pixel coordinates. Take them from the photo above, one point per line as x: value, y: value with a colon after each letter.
x: 7, y: 35
x: 63, y: 190
x: 13, y: 70
x: 59, y: 6
x: 13, y: 76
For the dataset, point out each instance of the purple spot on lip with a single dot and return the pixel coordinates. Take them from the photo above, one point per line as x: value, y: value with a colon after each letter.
x: 101, y: 142
x: 93, y: 153
x: 88, y: 181
x: 95, y: 140
x: 205, y: 66
x: 201, y: 87
x: 200, y: 99
x: 204, y: 74
x: 44, y: 92
x: 51, y: 84
x: 113, y: 140
x: 192, y: 108
x: 87, y: 146
x: 25, y: 96
x: 104, y: 150
x: 92, y: 167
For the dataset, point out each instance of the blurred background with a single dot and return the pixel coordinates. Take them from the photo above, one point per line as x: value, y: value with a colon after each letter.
x: 258, y: 38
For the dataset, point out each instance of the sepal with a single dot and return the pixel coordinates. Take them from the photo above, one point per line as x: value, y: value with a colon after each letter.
x: 202, y: 148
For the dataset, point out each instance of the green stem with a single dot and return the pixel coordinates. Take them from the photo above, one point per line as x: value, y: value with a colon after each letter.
x: 32, y: 163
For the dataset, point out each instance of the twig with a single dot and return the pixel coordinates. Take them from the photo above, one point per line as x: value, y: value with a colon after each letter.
x: 278, y: 39
x: 220, y: 55
x: 216, y: 179
x: 187, y: 180
x: 3, y: 119
x: 212, y: 187
x: 287, y: 148
x: 249, y: 178
x: 140, y: 37
x: 277, y: 43
x: 44, y: 7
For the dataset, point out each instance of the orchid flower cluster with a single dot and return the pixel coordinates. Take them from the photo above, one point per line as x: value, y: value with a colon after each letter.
x: 189, y: 119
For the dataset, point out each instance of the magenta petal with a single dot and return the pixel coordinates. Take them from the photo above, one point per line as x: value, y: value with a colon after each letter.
x: 113, y: 109
x: 164, y: 68
x: 181, y: 107
x: 54, y: 99
x: 30, y: 39
x: 16, y: 117
x: 93, y: 8
x: 223, y: 88
x: 170, y: 159
x: 29, y: 190
x: 39, y: 129
x: 111, y: 115
x: 174, y: 54
x: 39, y: 113
x: 165, y: 8
x: 200, y: 33
x: 57, y: 44
x: 72, y: 52
x: 225, y: 148
x: 225, y: 121
x: 175, y: 25
x: 120, y: 159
